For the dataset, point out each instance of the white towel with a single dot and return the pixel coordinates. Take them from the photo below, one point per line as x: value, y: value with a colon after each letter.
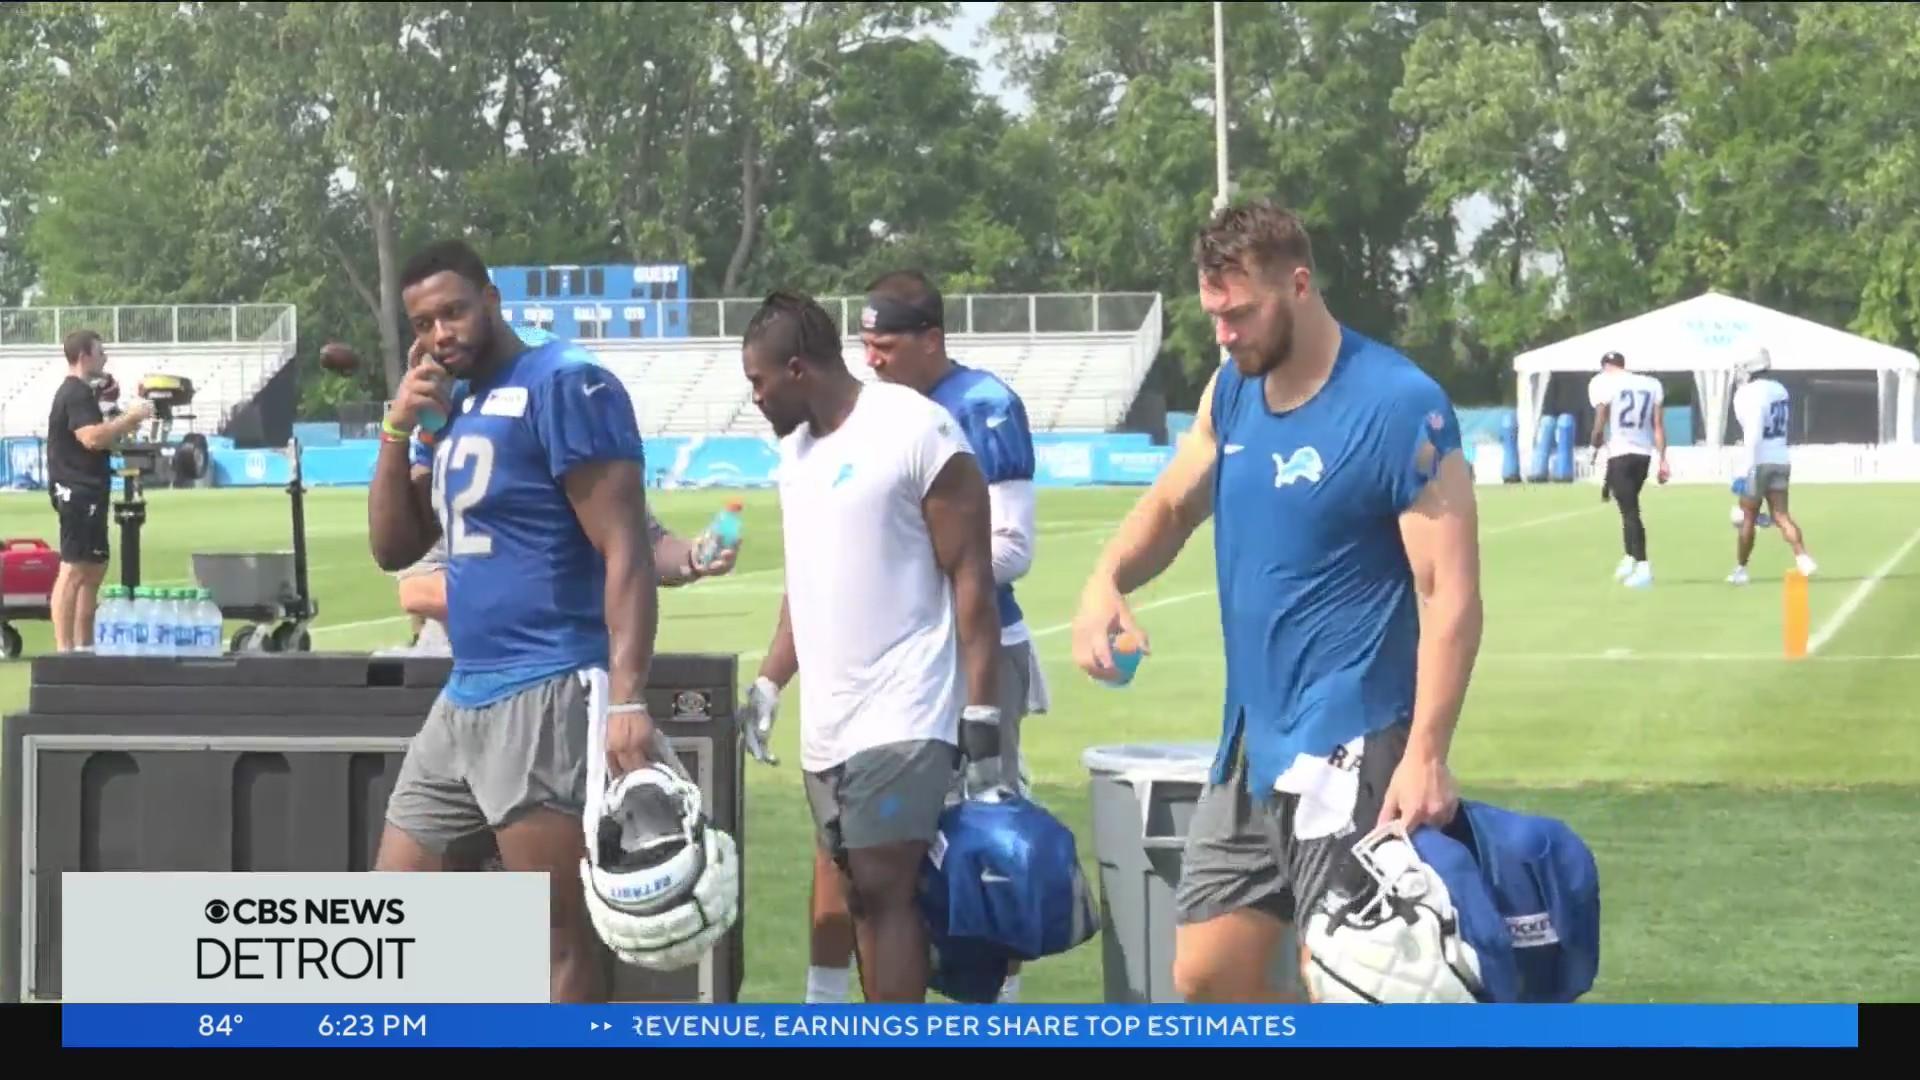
x: 1327, y: 791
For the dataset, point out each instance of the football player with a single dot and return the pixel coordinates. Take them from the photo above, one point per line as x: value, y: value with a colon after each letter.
x: 1762, y: 407
x: 903, y: 327
x: 890, y: 614
x: 1347, y: 558
x: 1630, y: 423
x: 535, y: 483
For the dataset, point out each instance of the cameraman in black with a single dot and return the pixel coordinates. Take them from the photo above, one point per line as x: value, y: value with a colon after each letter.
x: 79, y: 439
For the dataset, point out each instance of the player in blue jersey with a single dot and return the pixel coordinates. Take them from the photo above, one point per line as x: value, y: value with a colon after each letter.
x: 903, y: 326
x: 535, y: 483
x: 1347, y: 563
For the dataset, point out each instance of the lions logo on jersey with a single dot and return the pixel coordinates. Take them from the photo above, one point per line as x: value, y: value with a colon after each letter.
x: 1304, y: 464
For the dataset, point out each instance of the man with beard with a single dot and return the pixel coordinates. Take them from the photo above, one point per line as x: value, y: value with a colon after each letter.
x: 1347, y: 569
x: 890, y: 615
x: 534, y: 480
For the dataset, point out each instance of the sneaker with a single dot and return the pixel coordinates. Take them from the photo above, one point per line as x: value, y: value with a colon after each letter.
x: 1641, y: 578
x: 1806, y: 564
x: 1738, y: 577
x: 1625, y: 568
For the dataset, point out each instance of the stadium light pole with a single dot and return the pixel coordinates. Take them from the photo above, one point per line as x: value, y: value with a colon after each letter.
x: 1219, y: 104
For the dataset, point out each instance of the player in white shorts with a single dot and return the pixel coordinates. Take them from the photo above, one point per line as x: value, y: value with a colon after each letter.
x: 890, y: 615
x: 1762, y: 409
x: 1628, y: 423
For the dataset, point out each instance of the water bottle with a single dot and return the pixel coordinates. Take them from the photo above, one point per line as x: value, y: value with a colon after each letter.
x: 180, y: 632
x: 140, y: 623
x: 723, y: 534
x: 1126, y: 658
x: 104, y: 617
x: 160, y: 636
x: 120, y: 625
x: 208, y: 624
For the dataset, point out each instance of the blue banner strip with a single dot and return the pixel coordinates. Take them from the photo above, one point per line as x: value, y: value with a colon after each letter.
x: 801, y: 1026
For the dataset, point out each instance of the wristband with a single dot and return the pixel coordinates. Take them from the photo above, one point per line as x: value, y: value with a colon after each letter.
x: 629, y: 707
x: 390, y: 433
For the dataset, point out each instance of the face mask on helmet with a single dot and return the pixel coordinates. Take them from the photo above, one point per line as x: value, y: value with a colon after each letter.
x: 1397, y: 940
x: 662, y: 885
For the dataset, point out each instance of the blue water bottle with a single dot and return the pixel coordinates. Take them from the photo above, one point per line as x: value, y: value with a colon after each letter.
x: 1126, y: 658
x: 723, y: 533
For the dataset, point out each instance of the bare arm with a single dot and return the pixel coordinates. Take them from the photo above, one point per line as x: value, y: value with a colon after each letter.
x: 1441, y: 534
x: 672, y: 556
x: 401, y: 527
x: 425, y: 595
x: 1599, y: 425
x: 103, y: 435
x: 957, y: 515
x: 781, y: 663
x: 609, y: 498
x: 1179, y: 501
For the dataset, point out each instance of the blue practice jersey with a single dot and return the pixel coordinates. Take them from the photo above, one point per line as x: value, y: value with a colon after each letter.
x: 525, y: 587
x: 994, y: 420
x: 1317, y: 604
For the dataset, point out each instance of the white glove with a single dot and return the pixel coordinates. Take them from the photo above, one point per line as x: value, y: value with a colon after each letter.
x: 980, y: 744
x: 757, y: 714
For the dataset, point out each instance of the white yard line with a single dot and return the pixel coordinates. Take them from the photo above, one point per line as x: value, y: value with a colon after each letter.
x: 1564, y: 515
x: 1859, y: 596
x: 362, y: 624
x: 1623, y: 656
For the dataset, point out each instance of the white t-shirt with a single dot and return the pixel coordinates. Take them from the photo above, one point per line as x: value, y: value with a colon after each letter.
x: 873, y: 614
x: 1762, y: 410
x: 1632, y: 400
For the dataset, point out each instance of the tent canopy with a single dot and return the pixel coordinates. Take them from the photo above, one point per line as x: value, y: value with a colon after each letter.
x: 1708, y: 336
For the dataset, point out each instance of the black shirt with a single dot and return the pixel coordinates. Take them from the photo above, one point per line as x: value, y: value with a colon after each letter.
x: 69, y: 462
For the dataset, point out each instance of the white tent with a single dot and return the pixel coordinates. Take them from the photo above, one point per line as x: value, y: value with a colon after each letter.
x: 1707, y: 336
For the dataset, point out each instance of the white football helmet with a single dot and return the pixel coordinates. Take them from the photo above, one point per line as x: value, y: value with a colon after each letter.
x: 1758, y: 362
x: 1398, y: 941
x: 662, y: 884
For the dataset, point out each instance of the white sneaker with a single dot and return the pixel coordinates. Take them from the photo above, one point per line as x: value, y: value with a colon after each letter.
x: 1625, y: 568
x: 1738, y: 577
x: 1806, y: 564
x: 1641, y: 578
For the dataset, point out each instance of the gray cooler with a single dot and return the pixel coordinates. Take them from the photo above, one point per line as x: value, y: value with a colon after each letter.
x: 1143, y: 798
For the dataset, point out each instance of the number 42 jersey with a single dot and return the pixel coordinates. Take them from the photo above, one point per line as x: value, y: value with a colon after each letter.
x: 1631, y: 399
x: 525, y: 586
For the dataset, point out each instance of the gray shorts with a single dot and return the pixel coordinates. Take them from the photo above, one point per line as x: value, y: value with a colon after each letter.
x: 1241, y: 854
x: 471, y: 770
x: 1767, y: 478
x: 890, y: 794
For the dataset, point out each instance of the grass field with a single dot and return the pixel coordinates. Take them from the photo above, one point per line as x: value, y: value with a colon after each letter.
x: 1756, y: 820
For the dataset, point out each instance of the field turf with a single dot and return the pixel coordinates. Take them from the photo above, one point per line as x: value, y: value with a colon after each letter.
x: 1756, y: 820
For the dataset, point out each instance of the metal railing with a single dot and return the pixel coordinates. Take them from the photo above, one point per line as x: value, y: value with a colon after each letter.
x: 152, y: 324
x: 968, y: 313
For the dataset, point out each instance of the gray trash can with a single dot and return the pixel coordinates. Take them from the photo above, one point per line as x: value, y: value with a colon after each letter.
x: 1143, y: 798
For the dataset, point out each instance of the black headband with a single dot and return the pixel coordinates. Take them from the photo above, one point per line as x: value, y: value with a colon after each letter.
x: 885, y: 315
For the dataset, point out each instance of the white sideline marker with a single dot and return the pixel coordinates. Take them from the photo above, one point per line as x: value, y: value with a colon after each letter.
x: 1859, y: 596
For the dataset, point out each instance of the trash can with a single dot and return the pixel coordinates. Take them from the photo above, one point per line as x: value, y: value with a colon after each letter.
x: 1143, y: 797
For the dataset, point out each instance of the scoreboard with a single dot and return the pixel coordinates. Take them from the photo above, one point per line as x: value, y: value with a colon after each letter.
x: 608, y: 301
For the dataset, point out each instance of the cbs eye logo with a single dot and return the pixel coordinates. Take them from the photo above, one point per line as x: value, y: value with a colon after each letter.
x: 217, y: 911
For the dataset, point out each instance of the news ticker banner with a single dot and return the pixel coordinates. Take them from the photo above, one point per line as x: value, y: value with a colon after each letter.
x: 264, y: 937
x: 1034, y: 1026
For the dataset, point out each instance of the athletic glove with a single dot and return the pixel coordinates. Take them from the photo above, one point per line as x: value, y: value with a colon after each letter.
x: 980, y: 745
x: 757, y: 713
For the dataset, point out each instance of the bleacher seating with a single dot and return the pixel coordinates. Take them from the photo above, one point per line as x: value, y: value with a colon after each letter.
x: 226, y: 375
x: 1069, y: 381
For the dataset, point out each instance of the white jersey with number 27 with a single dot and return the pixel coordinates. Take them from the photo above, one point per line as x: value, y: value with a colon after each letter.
x: 1762, y: 411
x: 1632, y: 400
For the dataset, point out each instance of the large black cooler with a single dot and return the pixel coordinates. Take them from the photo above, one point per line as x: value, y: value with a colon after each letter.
x: 272, y: 762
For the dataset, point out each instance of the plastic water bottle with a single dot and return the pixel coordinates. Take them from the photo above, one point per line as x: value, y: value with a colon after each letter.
x: 120, y: 624
x: 180, y: 621
x: 1126, y: 658
x: 723, y: 533
x: 208, y: 624
x: 160, y: 638
x: 112, y: 607
x: 140, y: 623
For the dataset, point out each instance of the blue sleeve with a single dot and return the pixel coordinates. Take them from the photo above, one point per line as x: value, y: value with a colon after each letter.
x: 1419, y: 430
x: 584, y: 414
x: 1002, y: 442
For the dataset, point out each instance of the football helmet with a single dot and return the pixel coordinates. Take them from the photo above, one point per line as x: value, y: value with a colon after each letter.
x: 1758, y: 362
x: 1398, y: 940
x: 662, y: 884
